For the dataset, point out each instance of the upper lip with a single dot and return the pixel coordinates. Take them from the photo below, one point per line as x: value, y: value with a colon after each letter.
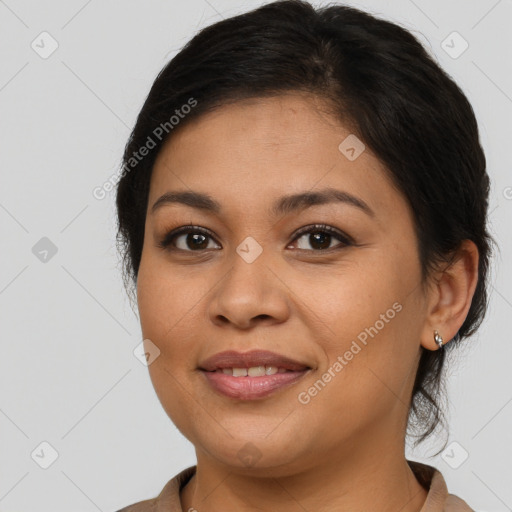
x: 234, y: 359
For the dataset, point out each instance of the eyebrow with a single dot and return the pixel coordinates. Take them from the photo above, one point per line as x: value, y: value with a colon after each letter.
x: 283, y: 206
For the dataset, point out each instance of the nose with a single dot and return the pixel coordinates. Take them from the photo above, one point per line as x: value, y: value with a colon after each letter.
x: 248, y: 295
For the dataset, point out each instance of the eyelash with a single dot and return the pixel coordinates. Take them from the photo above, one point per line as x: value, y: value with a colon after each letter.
x: 166, y: 243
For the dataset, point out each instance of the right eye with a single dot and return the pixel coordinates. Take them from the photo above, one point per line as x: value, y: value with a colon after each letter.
x: 194, y: 239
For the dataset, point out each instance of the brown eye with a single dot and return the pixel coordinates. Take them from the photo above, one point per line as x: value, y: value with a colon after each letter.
x: 187, y: 238
x: 318, y: 240
x: 193, y: 241
x: 320, y: 237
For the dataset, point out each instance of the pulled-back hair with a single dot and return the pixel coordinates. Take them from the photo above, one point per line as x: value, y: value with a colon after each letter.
x: 378, y: 80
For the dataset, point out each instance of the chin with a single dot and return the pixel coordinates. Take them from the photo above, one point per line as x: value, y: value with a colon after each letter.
x: 254, y: 452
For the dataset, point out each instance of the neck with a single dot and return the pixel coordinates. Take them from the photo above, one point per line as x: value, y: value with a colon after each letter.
x: 374, y: 480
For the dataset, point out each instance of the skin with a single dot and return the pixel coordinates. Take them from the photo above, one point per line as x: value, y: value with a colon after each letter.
x: 344, y: 450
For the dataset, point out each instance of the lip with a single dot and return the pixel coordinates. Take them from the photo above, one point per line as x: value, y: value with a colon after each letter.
x: 251, y: 388
x: 234, y: 359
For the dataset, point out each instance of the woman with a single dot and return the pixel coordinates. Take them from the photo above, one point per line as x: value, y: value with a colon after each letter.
x: 302, y: 213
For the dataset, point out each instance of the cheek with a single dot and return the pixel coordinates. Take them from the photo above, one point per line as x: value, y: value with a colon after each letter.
x: 366, y: 321
x: 171, y: 305
x: 165, y: 299
x: 343, y: 304
x: 167, y: 319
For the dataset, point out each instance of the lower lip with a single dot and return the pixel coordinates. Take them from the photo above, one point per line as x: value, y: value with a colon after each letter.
x: 251, y: 388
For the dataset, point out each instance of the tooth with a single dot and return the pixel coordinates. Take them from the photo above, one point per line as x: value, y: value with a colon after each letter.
x: 256, y: 371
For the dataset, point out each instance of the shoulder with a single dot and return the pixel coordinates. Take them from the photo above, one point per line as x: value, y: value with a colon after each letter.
x: 141, y: 506
x: 438, y: 497
x: 456, y: 504
x: 169, y: 498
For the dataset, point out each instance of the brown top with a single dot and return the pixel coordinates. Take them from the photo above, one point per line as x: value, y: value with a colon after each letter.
x: 438, y: 498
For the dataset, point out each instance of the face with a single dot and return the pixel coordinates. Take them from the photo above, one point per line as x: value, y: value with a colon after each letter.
x: 343, y: 299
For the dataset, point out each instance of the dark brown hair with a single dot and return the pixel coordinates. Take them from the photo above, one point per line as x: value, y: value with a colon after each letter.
x: 380, y: 81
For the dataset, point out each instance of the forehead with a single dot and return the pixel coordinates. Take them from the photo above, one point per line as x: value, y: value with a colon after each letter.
x: 256, y: 150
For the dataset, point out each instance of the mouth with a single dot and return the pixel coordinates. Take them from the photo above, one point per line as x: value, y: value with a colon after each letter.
x: 251, y: 375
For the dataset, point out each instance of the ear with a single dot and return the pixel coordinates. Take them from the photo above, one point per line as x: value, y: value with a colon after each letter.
x: 450, y: 296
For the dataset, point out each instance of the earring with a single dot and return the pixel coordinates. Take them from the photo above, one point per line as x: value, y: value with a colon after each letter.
x: 438, y: 339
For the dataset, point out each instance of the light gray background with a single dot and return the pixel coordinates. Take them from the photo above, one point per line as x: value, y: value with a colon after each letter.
x: 68, y: 373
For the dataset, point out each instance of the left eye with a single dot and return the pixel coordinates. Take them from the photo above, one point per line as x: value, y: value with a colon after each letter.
x: 321, y: 236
